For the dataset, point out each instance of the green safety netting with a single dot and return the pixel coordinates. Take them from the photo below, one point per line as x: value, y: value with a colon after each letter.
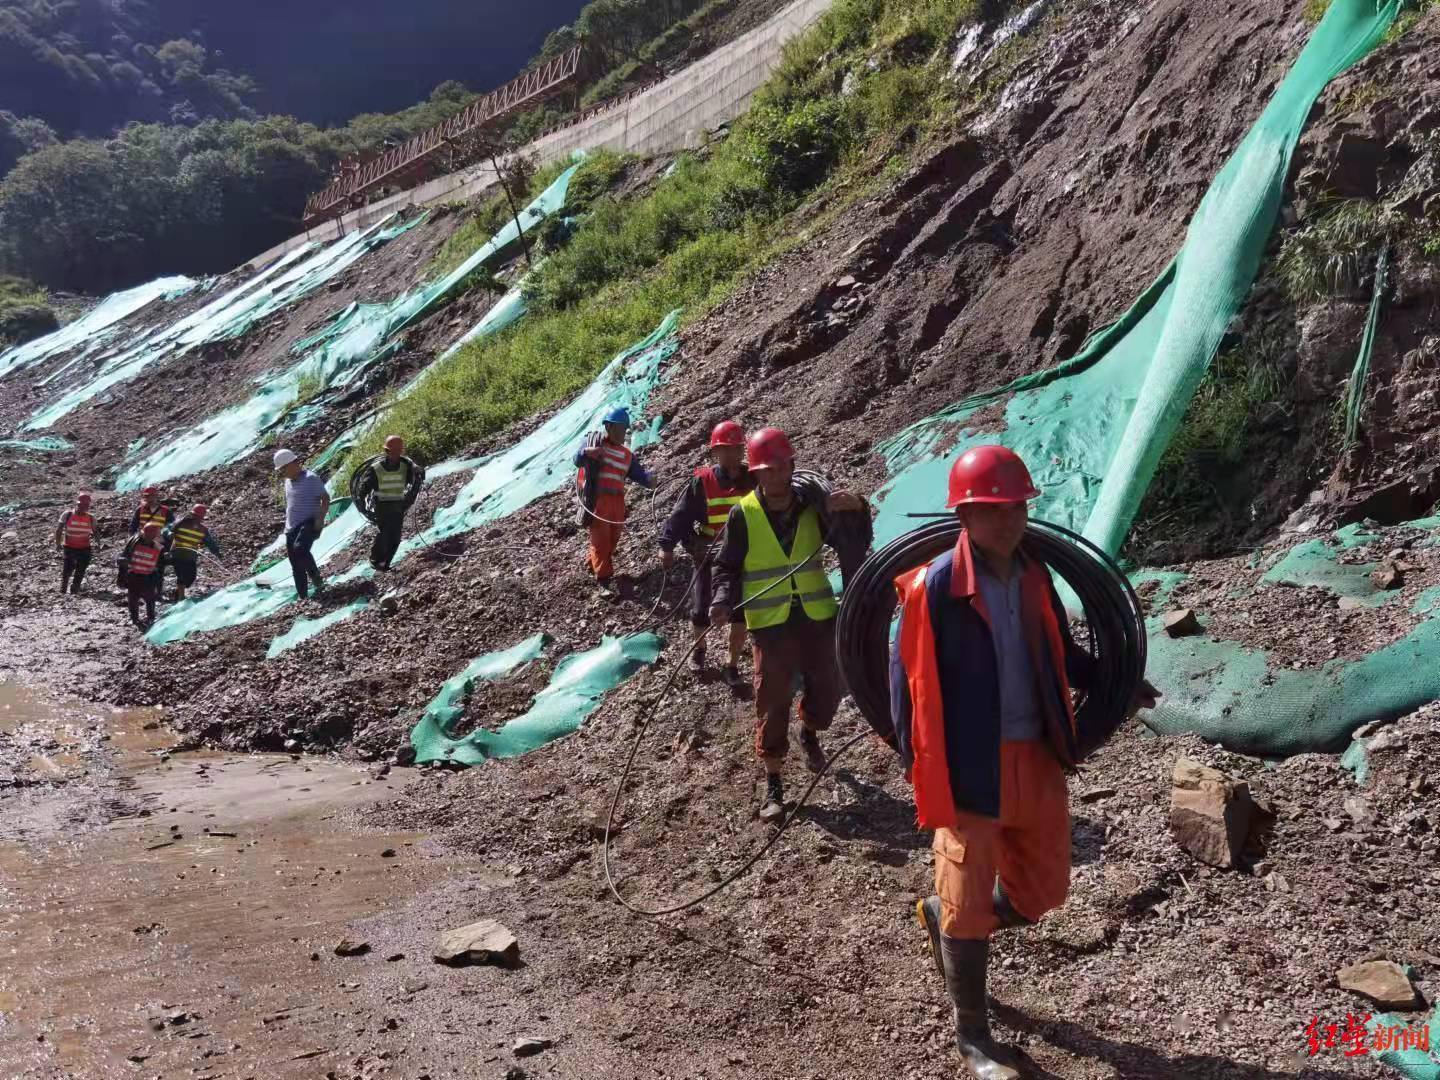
x: 505, y: 313
x: 1360, y: 373
x: 1094, y: 428
x: 45, y: 444
x: 97, y: 326
x: 305, y: 629
x: 355, y: 340
x: 574, y: 691
x: 503, y: 483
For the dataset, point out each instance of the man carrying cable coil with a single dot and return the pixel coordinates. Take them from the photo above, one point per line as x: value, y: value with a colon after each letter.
x: 395, y: 481
x: 605, y: 463
x: 771, y: 567
x: 699, y: 515
x: 182, y: 542
x: 980, y: 680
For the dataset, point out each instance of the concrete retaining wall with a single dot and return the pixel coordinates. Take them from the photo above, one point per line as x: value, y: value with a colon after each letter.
x: 673, y: 115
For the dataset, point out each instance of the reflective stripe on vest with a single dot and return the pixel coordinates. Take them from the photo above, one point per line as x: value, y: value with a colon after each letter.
x: 189, y: 535
x: 766, y: 563
x: 78, y: 529
x: 390, y: 484
x: 153, y: 517
x: 718, y: 501
x: 144, y: 559
x: 614, y: 468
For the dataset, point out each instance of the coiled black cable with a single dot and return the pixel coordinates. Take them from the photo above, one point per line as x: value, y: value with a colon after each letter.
x: 1114, y: 621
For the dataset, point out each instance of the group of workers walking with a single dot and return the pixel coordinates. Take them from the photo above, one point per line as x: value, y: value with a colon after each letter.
x: 981, y: 670
x: 157, y: 538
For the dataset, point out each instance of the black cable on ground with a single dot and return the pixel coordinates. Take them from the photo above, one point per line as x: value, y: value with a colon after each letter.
x: 814, y: 491
x: 1113, y: 618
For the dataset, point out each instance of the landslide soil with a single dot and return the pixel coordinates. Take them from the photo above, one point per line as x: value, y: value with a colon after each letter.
x: 996, y: 254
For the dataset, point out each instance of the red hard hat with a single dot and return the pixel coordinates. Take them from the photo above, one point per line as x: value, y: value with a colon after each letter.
x: 83, y: 497
x: 727, y: 433
x: 394, y: 440
x: 199, y: 510
x: 150, y: 491
x: 990, y: 474
x: 767, y: 448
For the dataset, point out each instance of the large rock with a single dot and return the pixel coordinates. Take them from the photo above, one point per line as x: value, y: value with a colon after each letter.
x: 26, y: 322
x: 1382, y: 981
x: 483, y: 942
x: 1211, y: 815
x: 1182, y: 623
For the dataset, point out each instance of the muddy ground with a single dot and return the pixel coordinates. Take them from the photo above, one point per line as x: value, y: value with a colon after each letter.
x: 996, y: 254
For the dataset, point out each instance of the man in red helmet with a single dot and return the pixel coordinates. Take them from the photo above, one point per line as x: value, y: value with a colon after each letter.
x: 72, y: 536
x: 980, y: 680
x: 141, y: 563
x: 699, y: 515
x: 771, y: 567
x: 395, y: 481
x: 151, y: 511
x: 182, y: 542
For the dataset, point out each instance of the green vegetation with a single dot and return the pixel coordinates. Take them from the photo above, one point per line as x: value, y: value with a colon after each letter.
x: 687, y: 242
x: 1315, y: 10
x: 1414, y: 11
x: 594, y: 177
x: 1205, y: 474
x: 1335, y: 251
x: 24, y: 312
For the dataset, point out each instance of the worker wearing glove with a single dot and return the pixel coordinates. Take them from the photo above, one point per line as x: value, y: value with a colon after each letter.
x: 605, y: 463
x: 72, y: 537
x: 980, y: 680
x: 306, y: 504
x: 772, y: 537
x: 699, y: 514
x: 395, y: 481
x: 141, y: 562
x: 182, y: 542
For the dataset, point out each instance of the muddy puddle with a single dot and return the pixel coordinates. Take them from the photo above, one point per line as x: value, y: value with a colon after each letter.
x: 175, y: 914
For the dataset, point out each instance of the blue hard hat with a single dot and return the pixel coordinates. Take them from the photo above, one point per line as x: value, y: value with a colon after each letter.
x: 618, y: 415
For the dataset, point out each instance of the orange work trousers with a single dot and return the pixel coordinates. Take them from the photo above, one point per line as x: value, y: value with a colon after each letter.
x: 605, y: 535
x: 1027, y: 847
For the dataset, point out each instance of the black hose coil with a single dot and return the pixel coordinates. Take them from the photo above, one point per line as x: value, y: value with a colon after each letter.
x: 1115, y: 623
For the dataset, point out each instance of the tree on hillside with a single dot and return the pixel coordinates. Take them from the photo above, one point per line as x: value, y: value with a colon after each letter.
x: 19, y: 135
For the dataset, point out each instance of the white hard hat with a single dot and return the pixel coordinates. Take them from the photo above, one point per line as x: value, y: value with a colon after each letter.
x: 283, y: 458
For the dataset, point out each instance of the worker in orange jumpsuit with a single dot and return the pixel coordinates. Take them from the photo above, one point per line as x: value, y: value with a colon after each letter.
x: 605, y: 463
x: 980, y: 681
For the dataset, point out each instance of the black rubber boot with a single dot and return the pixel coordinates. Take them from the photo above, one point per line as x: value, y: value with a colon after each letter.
x: 814, y: 756
x: 965, y: 968
x: 774, y: 806
x: 1004, y: 911
x: 927, y: 911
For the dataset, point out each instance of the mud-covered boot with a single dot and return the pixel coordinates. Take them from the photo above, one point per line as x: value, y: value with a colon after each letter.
x: 965, y: 968
x: 927, y: 911
x: 774, y: 806
x: 814, y: 756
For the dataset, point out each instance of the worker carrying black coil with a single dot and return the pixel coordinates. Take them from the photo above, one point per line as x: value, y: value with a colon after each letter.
x: 979, y: 702
x: 384, y: 489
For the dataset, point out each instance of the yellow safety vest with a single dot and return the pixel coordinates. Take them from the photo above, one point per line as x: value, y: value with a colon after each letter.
x: 766, y: 562
x: 390, y: 484
x: 152, y: 517
x: 188, y: 537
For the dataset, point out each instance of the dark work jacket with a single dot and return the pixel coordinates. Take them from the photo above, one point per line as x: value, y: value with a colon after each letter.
x: 692, y: 510
x: 949, y: 612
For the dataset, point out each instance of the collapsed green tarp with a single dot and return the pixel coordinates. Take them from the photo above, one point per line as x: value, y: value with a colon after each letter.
x: 1094, y: 428
x: 359, y: 337
x: 503, y: 483
x: 97, y: 326
x: 575, y: 689
x: 305, y: 629
x: 45, y: 444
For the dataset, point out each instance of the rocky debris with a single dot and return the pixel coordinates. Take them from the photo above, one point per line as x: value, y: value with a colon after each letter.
x: 530, y: 1047
x: 483, y: 942
x: 1181, y: 623
x: 1382, y: 981
x: 351, y: 947
x: 1387, y: 576
x: 1211, y: 815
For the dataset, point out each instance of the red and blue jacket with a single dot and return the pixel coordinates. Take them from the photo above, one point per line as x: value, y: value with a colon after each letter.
x: 945, y: 684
